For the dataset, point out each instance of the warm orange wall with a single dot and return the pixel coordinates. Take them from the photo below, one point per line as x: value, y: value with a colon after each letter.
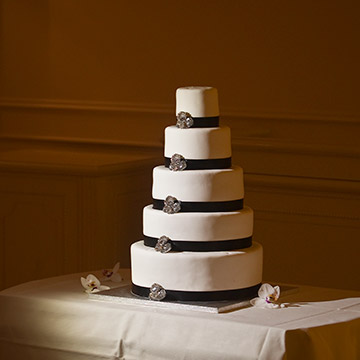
x: 264, y: 56
x: 287, y: 74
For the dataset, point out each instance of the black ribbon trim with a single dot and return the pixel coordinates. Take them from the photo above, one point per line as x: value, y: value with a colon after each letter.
x: 210, y: 206
x: 204, y: 164
x: 176, y: 295
x: 203, y: 122
x: 199, y: 246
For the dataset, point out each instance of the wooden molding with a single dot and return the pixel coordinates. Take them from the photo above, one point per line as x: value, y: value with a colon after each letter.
x: 138, y: 107
x: 66, y: 105
x: 275, y: 183
x: 299, y: 145
x: 78, y: 121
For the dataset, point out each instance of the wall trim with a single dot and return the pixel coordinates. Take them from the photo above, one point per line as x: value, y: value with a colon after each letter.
x: 139, y: 107
x: 310, y: 214
x: 150, y: 145
x: 321, y: 186
x: 290, y: 147
x: 237, y: 144
x: 258, y: 144
x: 327, y: 143
x: 103, y: 106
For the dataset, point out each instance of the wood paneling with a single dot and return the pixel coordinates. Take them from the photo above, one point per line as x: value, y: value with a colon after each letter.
x: 101, y: 77
x: 39, y: 218
x: 79, y: 216
x: 309, y: 229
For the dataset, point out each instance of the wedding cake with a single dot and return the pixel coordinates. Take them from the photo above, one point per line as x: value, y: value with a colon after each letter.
x: 197, y: 233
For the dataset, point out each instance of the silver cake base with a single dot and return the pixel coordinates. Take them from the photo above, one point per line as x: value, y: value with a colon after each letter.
x: 123, y: 295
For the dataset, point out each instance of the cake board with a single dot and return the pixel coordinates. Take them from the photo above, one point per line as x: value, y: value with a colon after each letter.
x: 123, y: 295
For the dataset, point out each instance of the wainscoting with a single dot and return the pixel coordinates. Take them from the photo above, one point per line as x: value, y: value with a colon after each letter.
x: 75, y: 176
x: 67, y: 208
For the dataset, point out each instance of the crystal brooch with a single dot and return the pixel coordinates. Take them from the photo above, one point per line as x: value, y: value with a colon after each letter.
x: 171, y: 205
x: 163, y: 245
x: 177, y: 163
x: 157, y: 292
x: 184, y: 120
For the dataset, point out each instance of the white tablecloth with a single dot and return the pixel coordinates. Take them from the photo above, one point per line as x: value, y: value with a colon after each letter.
x: 54, y: 319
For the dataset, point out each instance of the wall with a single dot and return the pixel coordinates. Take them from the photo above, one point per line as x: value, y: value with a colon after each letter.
x: 287, y: 75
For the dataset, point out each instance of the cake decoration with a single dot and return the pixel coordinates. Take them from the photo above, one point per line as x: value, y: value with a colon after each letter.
x: 163, y: 245
x: 197, y: 246
x: 171, y: 205
x: 268, y: 296
x: 184, y: 120
x: 157, y: 292
x: 200, y: 164
x: 243, y: 293
x: 113, y: 274
x: 177, y: 163
x: 92, y: 284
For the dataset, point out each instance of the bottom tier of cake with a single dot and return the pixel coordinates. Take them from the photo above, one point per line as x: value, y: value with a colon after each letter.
x: 197, y: 276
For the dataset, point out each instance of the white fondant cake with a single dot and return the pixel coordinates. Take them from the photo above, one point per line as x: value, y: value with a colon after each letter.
x: 199, y: 101
x: 198, y: 185
x: 197, y: 234
x: 213, y: 226
x: 198, y: 143
x: 197, y: 271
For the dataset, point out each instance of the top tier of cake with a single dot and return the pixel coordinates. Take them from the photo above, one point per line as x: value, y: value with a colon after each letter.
x: 199, y: 101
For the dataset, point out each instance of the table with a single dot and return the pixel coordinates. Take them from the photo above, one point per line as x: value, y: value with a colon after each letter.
x: 54, y: 319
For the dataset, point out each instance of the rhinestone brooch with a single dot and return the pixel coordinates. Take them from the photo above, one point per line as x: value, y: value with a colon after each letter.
x: 157, y: 292
x: 171, y: 205
x: 184, y: 120
x: 177, y: 163
x: 163, y: 245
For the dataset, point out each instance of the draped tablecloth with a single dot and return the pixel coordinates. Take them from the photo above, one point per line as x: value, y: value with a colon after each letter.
x: 54, y: 319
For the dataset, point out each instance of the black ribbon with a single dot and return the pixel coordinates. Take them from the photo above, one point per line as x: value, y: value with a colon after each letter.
x: 199, y: 246
x: 210, y: 206
x: 204, y: 164
x: 203, y: 122
x: 176, y: 295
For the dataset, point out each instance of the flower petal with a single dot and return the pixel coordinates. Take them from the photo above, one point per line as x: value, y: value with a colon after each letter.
x: 272, y: 306
x: 265, y: 290
x: 92, y: 291
x: 92, y: 278
x: 116, y: 277
x: 103, y: 287
x: 258, y: 302
x: 276, y: 292
x: 84, y: 283
x: 116, y: 267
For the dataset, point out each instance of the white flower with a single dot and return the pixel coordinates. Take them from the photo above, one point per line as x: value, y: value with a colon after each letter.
x: 268, y: 295
x: 112, y: 275
x: 92, y: 284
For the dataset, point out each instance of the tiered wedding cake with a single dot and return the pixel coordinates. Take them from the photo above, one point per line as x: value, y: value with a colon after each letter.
x: 197, y: 234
